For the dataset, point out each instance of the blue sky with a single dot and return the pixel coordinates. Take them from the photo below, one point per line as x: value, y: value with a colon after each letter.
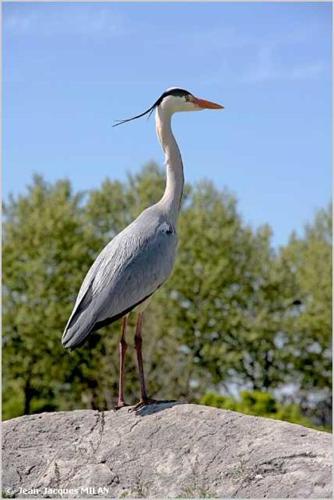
x: 70, y: 70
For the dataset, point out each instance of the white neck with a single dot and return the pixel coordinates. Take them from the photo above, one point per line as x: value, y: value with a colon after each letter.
x: 171, y: 200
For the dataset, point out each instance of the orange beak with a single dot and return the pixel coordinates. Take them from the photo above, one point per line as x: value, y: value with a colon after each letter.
x: 202, y: 103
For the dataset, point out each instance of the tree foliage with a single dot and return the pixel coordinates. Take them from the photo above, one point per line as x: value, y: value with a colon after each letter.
x: 259, y: 403
x: 308, y: 337
x: 235, y: 315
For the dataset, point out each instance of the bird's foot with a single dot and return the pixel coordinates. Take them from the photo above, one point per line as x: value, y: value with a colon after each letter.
x: 142, y: 403
x: 120, y: 404
x: 148, y: 401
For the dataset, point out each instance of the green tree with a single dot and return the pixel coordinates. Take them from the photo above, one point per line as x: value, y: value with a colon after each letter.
x: 308, y: 337
x: 51, y: 237
x: 46, y: 249
x: 235, y: 315
x: 228, y: 298
x: 259, y: 403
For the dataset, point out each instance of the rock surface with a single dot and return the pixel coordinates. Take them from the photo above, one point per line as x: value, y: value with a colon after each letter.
x: 165, y: 450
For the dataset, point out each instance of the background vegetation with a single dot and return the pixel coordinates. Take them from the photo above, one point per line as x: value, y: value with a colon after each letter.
x: 238, y: 325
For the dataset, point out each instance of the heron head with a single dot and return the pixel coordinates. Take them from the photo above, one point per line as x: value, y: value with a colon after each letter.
x: 174, y: 100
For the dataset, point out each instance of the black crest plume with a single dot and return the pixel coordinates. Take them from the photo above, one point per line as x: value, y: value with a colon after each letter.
x: 176, y: 92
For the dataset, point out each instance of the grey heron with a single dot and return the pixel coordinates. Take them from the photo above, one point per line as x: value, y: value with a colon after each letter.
x: 138, y: 260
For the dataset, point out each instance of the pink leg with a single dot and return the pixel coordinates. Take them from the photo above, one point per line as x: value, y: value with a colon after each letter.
x: 122, y: 350
x: 144, y: 400
x: 138, y: 345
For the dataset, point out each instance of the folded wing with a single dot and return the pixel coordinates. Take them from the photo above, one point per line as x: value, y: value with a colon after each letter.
x: 127, y: 271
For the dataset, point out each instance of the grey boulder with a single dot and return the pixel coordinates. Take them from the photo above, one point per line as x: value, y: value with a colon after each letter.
x: 164, y: 450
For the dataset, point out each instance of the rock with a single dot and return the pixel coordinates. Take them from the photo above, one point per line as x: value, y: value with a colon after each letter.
x: 164, y: 450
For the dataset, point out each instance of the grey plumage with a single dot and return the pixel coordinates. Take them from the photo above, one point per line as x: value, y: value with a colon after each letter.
x: 140, y: 258
x: 127, y: 271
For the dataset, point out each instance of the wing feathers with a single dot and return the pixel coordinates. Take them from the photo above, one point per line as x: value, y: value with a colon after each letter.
x: 75, y: 334
x: 129, y: 270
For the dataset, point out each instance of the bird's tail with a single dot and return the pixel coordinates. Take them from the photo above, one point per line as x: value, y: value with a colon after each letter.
x: 77, y: 329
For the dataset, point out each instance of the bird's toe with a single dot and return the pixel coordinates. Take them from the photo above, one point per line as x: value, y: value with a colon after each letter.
x: 120, y: 404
